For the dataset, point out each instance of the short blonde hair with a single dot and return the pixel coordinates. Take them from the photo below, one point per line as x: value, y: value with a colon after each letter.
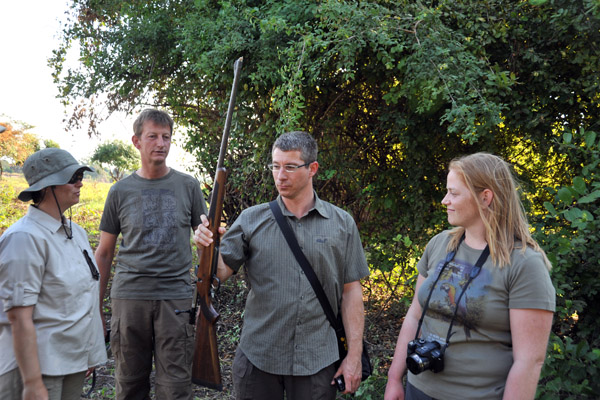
x: 159, y: 117
x: 505, y: 219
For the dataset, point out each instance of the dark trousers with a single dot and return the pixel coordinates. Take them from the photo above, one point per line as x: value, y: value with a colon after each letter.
x: 412, y: 393
x: 250, y: 383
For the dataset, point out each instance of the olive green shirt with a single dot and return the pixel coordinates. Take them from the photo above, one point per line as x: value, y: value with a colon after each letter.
x: 285, y: 329
x: 155, y: 218
x: 480, y: 355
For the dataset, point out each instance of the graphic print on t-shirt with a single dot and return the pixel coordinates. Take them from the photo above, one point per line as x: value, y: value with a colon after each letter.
x: 444, y: 298
x: 158, y: 208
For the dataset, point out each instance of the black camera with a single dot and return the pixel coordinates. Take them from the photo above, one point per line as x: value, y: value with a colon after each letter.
x: 340, y: 383
x: 423, y: 355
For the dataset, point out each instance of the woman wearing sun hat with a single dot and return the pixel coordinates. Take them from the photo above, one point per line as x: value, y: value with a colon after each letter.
x: 50, y: 327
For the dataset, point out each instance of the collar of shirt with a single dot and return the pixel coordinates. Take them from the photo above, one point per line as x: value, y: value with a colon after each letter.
x: 318, y: 207
x: 44, y: 220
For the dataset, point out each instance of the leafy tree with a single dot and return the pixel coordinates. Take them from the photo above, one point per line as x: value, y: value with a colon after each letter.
x: 116, y: 157
x: 16, y: 144
x: 49, y: 143
x: 392, y: 90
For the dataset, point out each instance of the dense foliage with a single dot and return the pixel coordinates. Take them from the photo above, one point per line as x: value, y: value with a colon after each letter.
x: 392, y: 90
x: 570, y: 234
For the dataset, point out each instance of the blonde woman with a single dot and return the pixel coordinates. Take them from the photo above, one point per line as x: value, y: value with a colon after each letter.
x: 479, y: 324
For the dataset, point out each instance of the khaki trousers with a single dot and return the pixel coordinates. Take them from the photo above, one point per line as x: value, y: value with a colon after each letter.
x: 63, y: 387
x: 141, y: 329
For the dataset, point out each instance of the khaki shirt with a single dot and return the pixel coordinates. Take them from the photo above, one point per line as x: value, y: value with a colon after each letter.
x: 40, y: 266
x: 285, y: 329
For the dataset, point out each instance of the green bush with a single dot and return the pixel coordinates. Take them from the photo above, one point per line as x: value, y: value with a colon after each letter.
x: 569, y: 233
x: 571, y: 370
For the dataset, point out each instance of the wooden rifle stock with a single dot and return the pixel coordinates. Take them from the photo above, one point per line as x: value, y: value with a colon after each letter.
x: 206, y: 370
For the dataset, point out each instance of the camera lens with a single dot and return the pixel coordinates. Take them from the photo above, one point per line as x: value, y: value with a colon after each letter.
x: 416, y: 364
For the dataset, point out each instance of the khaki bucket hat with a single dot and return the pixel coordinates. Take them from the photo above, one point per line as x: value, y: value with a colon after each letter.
x: 49, y: 167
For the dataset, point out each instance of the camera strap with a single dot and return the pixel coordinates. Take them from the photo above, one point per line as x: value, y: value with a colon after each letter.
x: 473, y: 274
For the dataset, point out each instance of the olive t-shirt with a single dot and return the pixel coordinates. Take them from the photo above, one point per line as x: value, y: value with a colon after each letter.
x: 155, y: 218
x: 479, y: 357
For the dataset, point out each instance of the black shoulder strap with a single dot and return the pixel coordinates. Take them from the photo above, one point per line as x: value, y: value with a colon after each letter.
x: 304, y: 263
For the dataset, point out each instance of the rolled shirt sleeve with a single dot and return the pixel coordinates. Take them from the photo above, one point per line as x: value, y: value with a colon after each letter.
x: 22, y: 270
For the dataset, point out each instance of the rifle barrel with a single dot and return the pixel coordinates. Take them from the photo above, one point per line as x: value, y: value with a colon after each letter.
x: 237, y: 67
x: 206, y: 370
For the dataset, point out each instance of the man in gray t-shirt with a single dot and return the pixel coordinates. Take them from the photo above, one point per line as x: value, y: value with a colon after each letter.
x: 154, y: 209
x: 287, y: 344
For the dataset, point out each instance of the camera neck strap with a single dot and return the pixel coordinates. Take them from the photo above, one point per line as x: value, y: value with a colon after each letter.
x: 472, y: 275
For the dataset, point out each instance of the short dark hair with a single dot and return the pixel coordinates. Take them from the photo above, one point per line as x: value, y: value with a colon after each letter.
x: 300, y: 141
x: 159, y: 117
x: 38, y: 196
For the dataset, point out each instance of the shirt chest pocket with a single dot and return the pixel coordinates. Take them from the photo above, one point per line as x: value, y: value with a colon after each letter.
x: 326, y: 250
x: 68, y: 287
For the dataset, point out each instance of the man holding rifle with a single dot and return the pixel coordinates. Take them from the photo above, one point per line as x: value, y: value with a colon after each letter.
x: 154, y: 210
x: 287, y: 344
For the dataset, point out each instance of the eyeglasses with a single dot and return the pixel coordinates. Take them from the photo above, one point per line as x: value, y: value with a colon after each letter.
x: 290, y: 168
x: 77, y: 177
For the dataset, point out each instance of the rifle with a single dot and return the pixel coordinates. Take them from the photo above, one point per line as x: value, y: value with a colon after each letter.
x: 206, y: 369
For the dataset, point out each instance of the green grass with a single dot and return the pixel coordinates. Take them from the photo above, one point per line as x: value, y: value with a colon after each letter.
x: 11, y: 208
x: 89, y: 210
x: 87, y: 213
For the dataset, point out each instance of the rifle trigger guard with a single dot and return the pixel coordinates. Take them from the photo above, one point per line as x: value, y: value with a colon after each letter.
x: 218, y: 284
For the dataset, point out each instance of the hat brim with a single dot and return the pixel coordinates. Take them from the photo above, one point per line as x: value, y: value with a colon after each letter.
x: 58, y: 178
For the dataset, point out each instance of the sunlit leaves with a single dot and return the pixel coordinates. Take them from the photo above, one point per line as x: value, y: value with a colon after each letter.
x: 16, y: 143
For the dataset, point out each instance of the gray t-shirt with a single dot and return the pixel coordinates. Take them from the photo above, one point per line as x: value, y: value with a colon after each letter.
x: 155, y: 217
x: 480, y: 352
x: 285, y: 329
